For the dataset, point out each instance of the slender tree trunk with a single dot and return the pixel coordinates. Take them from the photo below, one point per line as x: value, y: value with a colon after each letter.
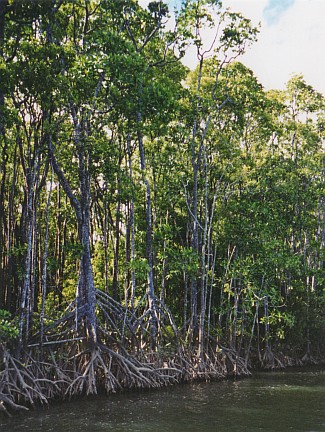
x: 204, y: 265
x: 3, y: 224
x: 196, y: 163
x: 86, y: 285
x: 45, y: 257
x: 131, y: 224
x: 30, y: 161
x: 25, y: 299
x: 86, y: 292
x: 195, y: 247
x: 163, y: 273
x: 10, y: 228
x: 149, y: 247
x: 105, y: 241
x: 3, y: 11
x: 117, y: 247
x: 212, y: 252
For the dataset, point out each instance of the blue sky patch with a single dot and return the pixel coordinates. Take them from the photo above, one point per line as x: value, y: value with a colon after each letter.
x: 274, y: 9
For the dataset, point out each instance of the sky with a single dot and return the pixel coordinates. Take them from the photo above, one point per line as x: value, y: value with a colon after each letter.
x: 291, y: 40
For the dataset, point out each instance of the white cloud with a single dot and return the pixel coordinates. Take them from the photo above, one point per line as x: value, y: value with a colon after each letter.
x: 293, y: 44
x: 274, y: 9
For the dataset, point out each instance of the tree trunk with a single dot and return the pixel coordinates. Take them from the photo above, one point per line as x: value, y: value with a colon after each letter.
x: 117, y: 247
x: 86, y: 292
x: 130, y: 238
x: 149, y: 248
x: 3, y: 11
x: 45, y: 257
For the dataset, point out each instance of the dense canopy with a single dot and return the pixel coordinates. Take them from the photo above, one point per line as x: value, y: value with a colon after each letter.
x: 156, y: 224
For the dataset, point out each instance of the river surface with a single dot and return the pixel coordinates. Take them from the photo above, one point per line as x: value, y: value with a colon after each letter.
x: 293, y: 400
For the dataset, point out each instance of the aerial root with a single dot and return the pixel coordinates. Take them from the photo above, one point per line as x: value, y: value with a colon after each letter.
x: 134, y: 373
x: 113, y: 370
x: 308, y: 359
x: 29, y: 382
x: 94, y: 370
x: 7, y: 402
x: 18, y: 383
x: 271, y: 361
x: 61, y: 364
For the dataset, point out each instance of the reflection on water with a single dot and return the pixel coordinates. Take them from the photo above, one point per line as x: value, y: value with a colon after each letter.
x: 274, y: 401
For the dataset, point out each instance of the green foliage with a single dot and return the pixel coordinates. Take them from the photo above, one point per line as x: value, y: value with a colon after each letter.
x: 8, y: 327
x: 92, y: 80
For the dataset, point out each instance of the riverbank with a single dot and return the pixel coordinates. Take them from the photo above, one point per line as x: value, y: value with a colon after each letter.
x: 281, y: 401
x: 39, y: 377
x: 63, y: 362
x: 35, y: 379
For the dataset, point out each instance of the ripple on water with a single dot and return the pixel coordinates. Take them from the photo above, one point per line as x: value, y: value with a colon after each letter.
x: 268, y: 402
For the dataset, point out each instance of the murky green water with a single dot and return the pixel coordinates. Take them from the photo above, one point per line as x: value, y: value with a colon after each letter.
x: 282, y: 401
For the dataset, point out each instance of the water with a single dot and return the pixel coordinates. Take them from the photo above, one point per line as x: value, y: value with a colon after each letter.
x: 293, y: 400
